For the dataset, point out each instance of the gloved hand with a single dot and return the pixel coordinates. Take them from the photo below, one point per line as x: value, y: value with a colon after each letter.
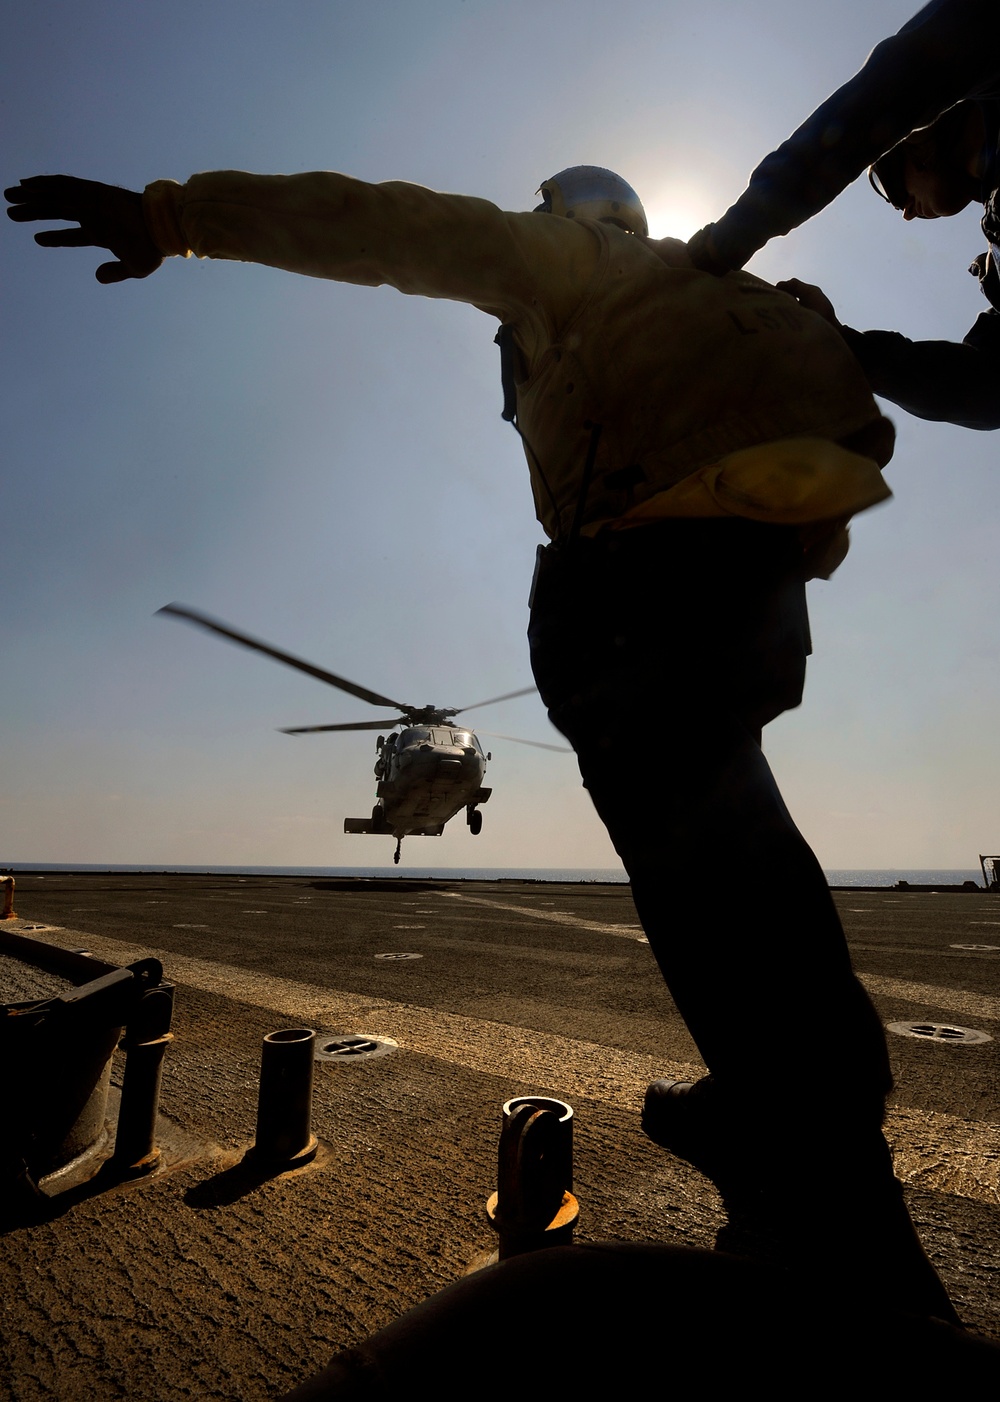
x: 813, y: 298
x: 703, y: 255
x: 108, y: 217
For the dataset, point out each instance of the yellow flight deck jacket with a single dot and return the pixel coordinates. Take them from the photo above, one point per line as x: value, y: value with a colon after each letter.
x: 714, y: 396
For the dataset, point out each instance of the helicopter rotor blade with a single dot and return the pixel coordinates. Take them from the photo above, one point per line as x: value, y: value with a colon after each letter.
x: 509, y: 696
x: 536, y: 744
x: 341, y: 683
x: 347, y: 725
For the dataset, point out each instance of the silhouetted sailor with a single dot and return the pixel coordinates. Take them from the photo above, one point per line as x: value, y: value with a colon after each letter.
x: 695, y: 446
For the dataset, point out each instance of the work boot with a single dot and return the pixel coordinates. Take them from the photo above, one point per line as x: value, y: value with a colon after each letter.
x: 698, y: 1122
x: 830, y: 1205
x: 670, y: 1112
x: 666, y: 1111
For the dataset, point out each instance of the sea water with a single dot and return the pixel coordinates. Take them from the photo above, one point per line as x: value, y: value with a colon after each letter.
x: 835, y: 876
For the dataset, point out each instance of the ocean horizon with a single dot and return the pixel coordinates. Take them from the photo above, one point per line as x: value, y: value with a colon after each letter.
x: 836, y: 876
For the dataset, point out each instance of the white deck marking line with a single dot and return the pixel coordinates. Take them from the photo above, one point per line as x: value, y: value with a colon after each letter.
x: 952, y: 1000
x: 629, y: 932
x: 939, y: 1152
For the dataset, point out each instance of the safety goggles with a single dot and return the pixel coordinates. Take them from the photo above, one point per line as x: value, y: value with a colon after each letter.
x: 887, y: 177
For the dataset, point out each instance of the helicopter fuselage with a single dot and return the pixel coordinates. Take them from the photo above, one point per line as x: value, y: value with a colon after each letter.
x: 426, y: 774
x: 427, y: 771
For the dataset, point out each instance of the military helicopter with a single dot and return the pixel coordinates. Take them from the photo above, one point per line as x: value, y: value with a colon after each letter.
x: 428, y: 770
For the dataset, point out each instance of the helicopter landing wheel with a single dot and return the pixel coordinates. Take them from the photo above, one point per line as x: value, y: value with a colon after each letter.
x: 395, y: 855
x: 475, y: 822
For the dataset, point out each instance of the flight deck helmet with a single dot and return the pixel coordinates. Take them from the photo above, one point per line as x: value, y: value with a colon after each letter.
x: 591, y: 192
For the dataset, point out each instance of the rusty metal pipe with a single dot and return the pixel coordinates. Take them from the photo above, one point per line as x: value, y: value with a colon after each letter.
x: 532, y: 1207
x: 564, y: 1135
x: 147, y: 1036
x: 284, y: 1105
x: 135, y: 1137
x: 8, y: 913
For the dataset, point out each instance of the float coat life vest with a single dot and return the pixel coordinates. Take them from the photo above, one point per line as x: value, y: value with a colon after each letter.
x: 678, y: 368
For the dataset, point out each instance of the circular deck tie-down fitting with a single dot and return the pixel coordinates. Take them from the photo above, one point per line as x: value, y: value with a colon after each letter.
x: 347, y: 1048
x: 284, y: 1106
x: 940, y: 1032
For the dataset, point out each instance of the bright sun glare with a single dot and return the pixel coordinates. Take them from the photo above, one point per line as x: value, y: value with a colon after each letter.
x: 675, y: 210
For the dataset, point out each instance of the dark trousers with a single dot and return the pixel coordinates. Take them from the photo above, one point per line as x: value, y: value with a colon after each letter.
x: 661, y: 653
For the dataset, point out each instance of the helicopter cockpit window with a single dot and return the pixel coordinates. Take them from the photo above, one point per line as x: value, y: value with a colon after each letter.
x: 466, y: 740
x: 417, y: 735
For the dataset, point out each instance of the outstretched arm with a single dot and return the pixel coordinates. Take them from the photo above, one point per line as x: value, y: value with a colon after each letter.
x: 948, y: 51
x: 947, y: 381
x: 106, y: 217
x: 328, y: 225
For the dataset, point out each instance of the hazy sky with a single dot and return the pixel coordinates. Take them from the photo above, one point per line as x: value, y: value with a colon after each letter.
x: 325, y: 466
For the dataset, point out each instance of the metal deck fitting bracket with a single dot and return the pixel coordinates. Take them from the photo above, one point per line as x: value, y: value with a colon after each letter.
x: 284, y: 1105
x: 56, y: 1054
x: 533, y: 1207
